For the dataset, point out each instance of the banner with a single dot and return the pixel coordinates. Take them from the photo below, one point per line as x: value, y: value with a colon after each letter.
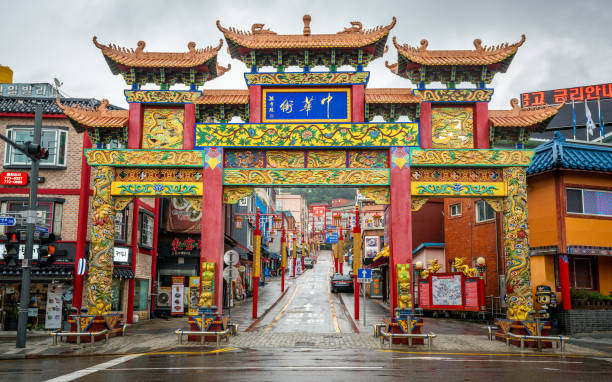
x: 53, y: 319
x: 193, y: 295
x: 182, y: 217
x: 178, y: 294
x: 371, y: 246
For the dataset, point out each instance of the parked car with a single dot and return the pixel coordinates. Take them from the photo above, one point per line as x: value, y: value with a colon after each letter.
x: 308, y: 262
x: 341, y: 283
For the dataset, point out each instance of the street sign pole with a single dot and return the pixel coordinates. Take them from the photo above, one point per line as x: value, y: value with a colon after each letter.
x: 30, y: 223
x: 364, y: 306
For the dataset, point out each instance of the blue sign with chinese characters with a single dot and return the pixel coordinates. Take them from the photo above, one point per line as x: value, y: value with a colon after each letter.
x: 309, y: 105
x: 331, y: 237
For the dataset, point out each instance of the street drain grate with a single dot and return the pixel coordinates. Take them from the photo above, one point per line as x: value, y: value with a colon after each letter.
x: 304, y: 344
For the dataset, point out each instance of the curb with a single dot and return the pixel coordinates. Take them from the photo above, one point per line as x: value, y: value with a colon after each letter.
x: 258, y: 319
x: 347, y: 314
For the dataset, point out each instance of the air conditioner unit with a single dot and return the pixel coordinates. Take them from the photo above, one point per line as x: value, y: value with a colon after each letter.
x: 163, y: 297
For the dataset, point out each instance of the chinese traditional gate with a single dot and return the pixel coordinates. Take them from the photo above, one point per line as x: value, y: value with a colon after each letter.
x: 310, y: 129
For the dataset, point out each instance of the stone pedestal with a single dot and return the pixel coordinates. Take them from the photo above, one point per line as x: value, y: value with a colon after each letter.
x: 92, y: 324
x: 403, y: 323
x: 207, y: 321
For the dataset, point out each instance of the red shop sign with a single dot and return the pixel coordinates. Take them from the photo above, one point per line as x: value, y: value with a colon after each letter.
x: 14, y: 178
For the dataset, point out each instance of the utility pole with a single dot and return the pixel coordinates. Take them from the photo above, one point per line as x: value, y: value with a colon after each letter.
x: 35, y: 152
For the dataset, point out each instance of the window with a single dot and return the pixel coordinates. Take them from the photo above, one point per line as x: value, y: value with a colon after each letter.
x: 121, y: 222
x: 54, y: 140
x: 455, y: 209
x: 116, y: 295
x: 484, y: 212
x: 49, y: 215
x: 589, y: 202
x: 141, y: 294
x: 581, y: 272
x: 145, y: 236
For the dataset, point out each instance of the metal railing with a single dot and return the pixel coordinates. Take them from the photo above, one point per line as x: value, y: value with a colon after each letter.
x: 78, y: 335
x: 389, y: 336
x: 560, y: 340
x: 225, y: 333
x: 495, y: 307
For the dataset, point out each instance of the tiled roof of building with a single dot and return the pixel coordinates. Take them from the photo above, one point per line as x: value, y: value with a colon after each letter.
x: 352, y: 37
x: 561, y: 154
x: 390, y: 95
x: 27, y: 105
x: 522, y: 117
x: 481, y: 56
x: 223, y: 96
x: 84, y: 117
x: 128, y: 57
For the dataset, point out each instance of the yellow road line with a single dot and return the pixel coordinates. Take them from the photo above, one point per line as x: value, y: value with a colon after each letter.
x: 331, y: 305
x: 485, y: 354
x: 221, y: 350
x: 278, y: 316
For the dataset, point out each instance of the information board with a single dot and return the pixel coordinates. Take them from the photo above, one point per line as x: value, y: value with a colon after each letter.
x: 446, y: 290
x: 471, y: 293
x: 424, y: 291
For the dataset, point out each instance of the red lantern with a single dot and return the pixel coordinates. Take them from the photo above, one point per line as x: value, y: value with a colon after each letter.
x: 238, y: 222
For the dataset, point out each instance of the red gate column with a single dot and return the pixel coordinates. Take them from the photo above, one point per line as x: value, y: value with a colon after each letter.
x: 77, y: 298
x: 212, y: 220
x: 401, y: 218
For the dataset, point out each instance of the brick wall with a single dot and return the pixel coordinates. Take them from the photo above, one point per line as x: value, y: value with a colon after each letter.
x: 466, y: 238
x: 584, y: 321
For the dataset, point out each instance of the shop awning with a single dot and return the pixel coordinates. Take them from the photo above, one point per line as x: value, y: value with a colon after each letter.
x: 52, y: 272
x: 123, y: 273
x: 381, y: 257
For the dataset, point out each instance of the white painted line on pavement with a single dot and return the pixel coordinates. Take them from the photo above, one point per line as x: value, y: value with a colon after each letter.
x: 253, y: 368
x: 447, y: 359
x: 90, y: 370
x: 280, y: 314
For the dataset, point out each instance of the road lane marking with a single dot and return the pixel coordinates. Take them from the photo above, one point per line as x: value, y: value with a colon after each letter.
x: 279, y: 315
x: 447, y: 359
x: 90, y: 370
x: 221, y: 350
x: 331, y: 305
x: 252, y: 368
x: 486, y: 354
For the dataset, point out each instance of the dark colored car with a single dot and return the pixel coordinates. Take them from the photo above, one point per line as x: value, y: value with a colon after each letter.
x: 341, y: 283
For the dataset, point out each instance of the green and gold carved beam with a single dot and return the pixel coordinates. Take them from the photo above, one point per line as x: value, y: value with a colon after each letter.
x: 304, y: 177
x: 483, y: 189
x: 157, y: 188
x: 470, y: 158
x: 145, y: 158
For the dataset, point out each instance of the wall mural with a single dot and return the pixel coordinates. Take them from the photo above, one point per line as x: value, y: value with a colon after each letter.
x: 326, y: 159
x: 163, y: 128
x: 145, y: 158
x: 452, y: 127
x: 285, y: 159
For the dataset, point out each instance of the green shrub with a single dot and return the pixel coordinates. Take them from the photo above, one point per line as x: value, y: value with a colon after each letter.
x: 590, y: 296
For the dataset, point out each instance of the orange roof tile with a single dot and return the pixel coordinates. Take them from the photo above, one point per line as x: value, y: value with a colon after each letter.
x: 86, y: 117
x: 139, y: 58
x: 480, y: 56
x: 522, y: 117
x: 353, y: 37
x: 223, y: 97
x: 390, y: 95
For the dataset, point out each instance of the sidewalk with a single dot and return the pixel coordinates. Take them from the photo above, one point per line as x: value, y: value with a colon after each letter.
x: 145, y: 336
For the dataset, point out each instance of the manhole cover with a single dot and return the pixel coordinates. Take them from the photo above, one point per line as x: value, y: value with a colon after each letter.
x: 304, y: 344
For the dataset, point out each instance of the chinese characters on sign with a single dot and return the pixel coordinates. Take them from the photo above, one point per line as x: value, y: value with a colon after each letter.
x: 312, y: 105
x: 557, y: 96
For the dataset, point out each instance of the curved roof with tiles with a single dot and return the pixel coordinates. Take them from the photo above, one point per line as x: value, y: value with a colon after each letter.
x: 223, y: 97
x: 480, y: 56
x: 127, y: 57
x: 523, y: 117
x: 390, y: 95
x: 83, y: 117
x: 352, y: 37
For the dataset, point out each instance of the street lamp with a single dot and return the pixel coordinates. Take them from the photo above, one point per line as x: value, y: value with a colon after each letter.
x: 481, y: 266
x: 377, y: 219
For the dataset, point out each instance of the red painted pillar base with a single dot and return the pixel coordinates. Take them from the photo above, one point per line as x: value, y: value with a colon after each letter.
x: 341, y: 269
x: 566, y: 303
x: 336, y: 264
x: 356, y: 293
x: 283, y: 280
x: 294, y: 267
x: 255, y: 293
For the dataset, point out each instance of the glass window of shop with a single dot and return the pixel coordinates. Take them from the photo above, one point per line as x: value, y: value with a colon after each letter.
x: 117, y: 295
x: 141, y: 291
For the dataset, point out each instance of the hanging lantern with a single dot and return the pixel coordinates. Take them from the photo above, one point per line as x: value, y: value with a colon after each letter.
x: 272, y: 232
x: 238, y: 222
x: 337, y: 219
x: 278, y: 223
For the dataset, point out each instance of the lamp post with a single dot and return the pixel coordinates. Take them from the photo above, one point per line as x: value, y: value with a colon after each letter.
x: 418, y: 269
x: 356, y: 259
x: 283, y: 252
x: 336, y: 219
x: 481, y: 267
x: 256, y: 262
x: 340, y: 251
x: 294, y: 253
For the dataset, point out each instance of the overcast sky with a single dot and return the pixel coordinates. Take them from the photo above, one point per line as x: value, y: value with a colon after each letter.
x: 568, y: 42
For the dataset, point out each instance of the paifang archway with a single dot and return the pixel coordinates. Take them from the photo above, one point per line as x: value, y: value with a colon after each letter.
x: 310, y: 128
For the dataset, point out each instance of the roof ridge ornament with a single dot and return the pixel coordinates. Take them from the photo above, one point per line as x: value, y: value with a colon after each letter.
x: 306, y: 19
x: 259, y: 29
x: 356, y: 27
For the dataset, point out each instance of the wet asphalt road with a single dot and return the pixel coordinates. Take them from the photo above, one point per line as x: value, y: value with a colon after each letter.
x: 309, y: 365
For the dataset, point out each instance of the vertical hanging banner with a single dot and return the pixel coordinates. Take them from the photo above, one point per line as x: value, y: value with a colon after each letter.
x: 178, y: 294
x: 193, y: 295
